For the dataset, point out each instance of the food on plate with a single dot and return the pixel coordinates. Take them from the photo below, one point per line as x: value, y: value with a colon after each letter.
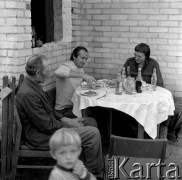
x: 84, y: 85
x: 90, y: 93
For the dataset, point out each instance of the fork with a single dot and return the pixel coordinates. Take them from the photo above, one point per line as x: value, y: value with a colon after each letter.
x: 102, y: 96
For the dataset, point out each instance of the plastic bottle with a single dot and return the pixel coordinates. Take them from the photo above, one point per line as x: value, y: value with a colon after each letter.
x: 154, y: 80
x: 119, y: 88
x: 139, y: 80
x: 34, y: 37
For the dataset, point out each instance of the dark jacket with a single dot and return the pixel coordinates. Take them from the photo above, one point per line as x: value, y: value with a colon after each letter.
x: 38, y: 117
x: 147, y: 70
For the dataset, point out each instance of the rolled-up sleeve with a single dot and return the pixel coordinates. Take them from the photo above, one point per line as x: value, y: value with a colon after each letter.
x: 63, y: 71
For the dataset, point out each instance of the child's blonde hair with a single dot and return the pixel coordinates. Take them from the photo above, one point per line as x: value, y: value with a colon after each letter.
x: 64, y: 137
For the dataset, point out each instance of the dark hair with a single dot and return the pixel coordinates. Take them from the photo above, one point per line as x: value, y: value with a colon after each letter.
x: 76, y: 51
x: 34, y: 64
x: 143, y: 48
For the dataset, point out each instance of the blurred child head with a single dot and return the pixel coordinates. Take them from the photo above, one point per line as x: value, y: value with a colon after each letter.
x: 65, y: 147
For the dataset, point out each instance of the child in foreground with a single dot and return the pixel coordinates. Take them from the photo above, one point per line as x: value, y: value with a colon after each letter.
x: 65, y: 148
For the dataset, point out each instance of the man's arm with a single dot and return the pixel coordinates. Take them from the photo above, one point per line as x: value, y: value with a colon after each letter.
x: 159, y: 76
x: 66, y: 72
x: 40, y: 114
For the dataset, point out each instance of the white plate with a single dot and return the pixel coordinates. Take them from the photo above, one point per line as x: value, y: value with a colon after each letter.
x: 86, y: 93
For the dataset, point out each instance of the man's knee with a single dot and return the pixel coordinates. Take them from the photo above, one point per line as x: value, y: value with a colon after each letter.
x: 89, y: 121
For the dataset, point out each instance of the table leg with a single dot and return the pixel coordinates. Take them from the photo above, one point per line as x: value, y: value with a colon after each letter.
x: 162, y: 131
x: 110, y: 123
x: 140, y: 131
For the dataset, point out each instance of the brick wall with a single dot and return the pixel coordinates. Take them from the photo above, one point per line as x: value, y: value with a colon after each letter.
x: 15, y: 40
x: 112, y: 28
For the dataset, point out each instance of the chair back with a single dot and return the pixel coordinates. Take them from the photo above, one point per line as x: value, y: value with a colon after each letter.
x: 142, y: 149
x: 11, y: 136
x: 8, y: 131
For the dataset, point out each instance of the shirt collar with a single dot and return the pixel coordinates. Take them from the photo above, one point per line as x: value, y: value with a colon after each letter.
x: 63, y: 168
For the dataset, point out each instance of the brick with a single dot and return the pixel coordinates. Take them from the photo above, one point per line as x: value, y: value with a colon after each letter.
x: 12, y: 45
x: 27, y: 14
x: 175, y: 17
x: 111, y: 11
x: 174, y: 42
x: 111, y: 23
x: 175, y: 65
x: 158, y: 29
x: 101, y: 17
x: 158, y: 41
x: 23, y: 21
x: 148, y: 35
x: 8, y: 13
x: 117, y: 28
x: 93, y: 1
x: 148, y: 23
x: 102, y: 39
x: 95, y: 23
x: 18, y: 5
x: 149, y: 11
x: 93, y: 11
x: 3, y: 52
x: 157, y: 17
x: 3, y: 37
x: 128, y: 23
x: 139, y: 29
x: 110, y: 45
x: 19, y: 13
x: 26, y: 52
x: 11, y: 29
x: 86, y: 6
x: 128, y: 34
x: 2, y: 21
x: 176, y: 5
x: 102, y: 50
x: 103, y: 5
x: 102, y: 28
x: 168, y: 35
x: 174, y: 53
x: 168, y: 23
x: 169, y: 11
x: 119, y: 17
x: 2, y: 5
x: 95, y: 65
x: 129, y: 11
x: 175, y: 30
x: 102, y: 71
x: 119, y: 40
x: 137, y: 17
x: 110, y: 55
x: 112, y: 34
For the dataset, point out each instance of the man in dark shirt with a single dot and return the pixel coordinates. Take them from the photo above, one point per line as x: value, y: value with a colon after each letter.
x: 142, y: 60
x: 40, y: 121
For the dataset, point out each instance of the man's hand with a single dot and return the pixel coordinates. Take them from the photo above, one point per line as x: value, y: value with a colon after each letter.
x: 74, y: 122
x: 89, y: 79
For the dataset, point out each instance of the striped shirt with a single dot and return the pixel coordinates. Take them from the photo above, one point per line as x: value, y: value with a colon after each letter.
x: 59, y: 174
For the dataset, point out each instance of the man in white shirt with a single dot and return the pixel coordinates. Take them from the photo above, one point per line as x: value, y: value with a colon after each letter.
x: 68, y: 77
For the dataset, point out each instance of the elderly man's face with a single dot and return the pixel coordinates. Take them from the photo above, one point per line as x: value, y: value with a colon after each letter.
x: 42, y: 75
x: 81, y: 59
x: 139, y: 57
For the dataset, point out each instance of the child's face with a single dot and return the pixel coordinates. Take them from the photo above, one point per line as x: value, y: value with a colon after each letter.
x: 67, y: 156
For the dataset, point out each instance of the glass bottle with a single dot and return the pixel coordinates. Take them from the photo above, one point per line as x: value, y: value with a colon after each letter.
x: 154, y: 80
x: 139, y: 80
x: 34, y: 37
x: 128, y: 72
x: 119, y: 88
x: 124, y: 79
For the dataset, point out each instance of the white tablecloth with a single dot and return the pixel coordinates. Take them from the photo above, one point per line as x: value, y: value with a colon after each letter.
x: 149, y: 108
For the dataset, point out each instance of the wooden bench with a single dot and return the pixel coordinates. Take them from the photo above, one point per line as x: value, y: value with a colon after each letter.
x: 11, y: 150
